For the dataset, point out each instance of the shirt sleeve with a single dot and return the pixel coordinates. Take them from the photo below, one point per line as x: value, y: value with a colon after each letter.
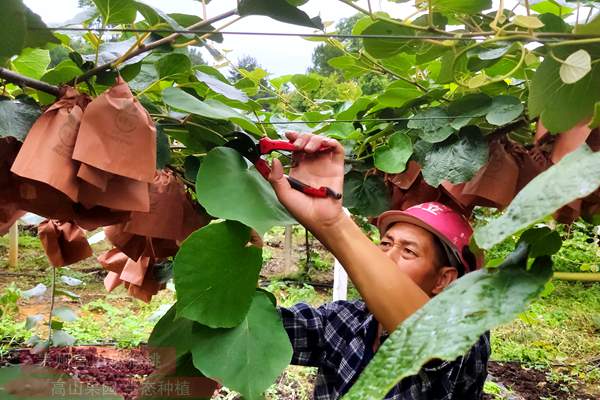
x: 305, y: 326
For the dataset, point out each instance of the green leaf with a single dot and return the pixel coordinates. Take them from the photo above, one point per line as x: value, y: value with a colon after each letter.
x: 163, y: 148
x: 154, y: 16
x: 433, y: 124
x: 456, y: 160
x: 542, y: 241
x: 249, y: 357
x: 552, y: 7
x: 467, y: 107
x: 305, y: 82
x: 546, y: 193
x: 115, y: 12
x: 461, y: 6
x: 398, y: 94
x: 366, y: 196
x: 218, y: 86
x: 385, y: 48
x: 64, y: 313
x: 393, y: 156
x: 68, y: 293
x: 174, y: 66
x: 451, y: 322
x: 172, y: 333
x: 216, y: 274
x: 528, y: 21
x: 62, y: 338
x: 281, y: 10
x: 17, y: 117
x: 38, y: 33
x: 504, y: 110
x: 561, y: 106
x: 13, y: 28
x: 553, y: 23
x: 228, y: 189
x: 576, y: 66
x: 32, y: 62
x: 591, y: 28
x: 209, y: 108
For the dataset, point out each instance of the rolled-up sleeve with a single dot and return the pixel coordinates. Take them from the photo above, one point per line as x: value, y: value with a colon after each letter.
x: 305, y: 326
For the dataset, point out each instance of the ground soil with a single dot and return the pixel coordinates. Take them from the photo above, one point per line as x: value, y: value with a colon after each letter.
x: 125, y: 370
x: 532, y: 384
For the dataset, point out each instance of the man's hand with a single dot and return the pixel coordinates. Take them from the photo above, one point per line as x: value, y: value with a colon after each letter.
x: 315, y: 167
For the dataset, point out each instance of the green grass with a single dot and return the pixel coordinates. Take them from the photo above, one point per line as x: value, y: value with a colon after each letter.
x: 558, y: 330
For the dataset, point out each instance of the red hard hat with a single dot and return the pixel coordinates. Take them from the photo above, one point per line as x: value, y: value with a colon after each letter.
x: 451, y: 227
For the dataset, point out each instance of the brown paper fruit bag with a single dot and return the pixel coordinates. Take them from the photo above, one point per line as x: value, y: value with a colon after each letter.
x: 64, y: 242
x: 117, y: 135
x: 121, y: 194
x: 495, y: 184
x: 164, y: 219
x: 46, y: 154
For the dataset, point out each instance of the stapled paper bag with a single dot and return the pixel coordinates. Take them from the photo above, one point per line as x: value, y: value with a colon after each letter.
x: 121, y: 194
x: 64, y: 242
x: 113, y: 260
x: 164, y: 219
x: 46, y: 154
x: 117, y: 135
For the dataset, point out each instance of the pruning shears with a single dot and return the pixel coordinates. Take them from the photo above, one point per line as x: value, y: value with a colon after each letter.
x: 247, y: 147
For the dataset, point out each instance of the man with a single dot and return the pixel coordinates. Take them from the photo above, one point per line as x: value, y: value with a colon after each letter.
x: 422, y: 251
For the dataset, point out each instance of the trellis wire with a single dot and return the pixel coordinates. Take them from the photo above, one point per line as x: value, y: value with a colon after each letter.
x: 546, y: 37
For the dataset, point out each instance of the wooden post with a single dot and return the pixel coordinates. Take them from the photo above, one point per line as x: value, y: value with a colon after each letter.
x: 13, y: 245
x: 340, y: 278
x: 287, y: 251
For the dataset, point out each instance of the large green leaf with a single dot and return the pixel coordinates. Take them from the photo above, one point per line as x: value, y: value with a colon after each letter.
x: 433, y: 124
x: 393, y: 156
x: 504, y: 109
x: 116, y: 12
x: 249, y: 357
x: 575, y: 176
x: 385, y: 48
x: 456, y: 160
x: 173, y: 66
x: 209, y: 108
x: 228, y: 189
x: 366, y: 196
x: 13, y: 28
x: 561, y: 106
x: 38, y: 33
x: 450, y: 323
x: 172, y: 334
x: 216, y: 274
x: 467, y: 107
x: 461, y: 6
x: 32, y: 62
x: 280, y: 10
x: 398, y: 94
x: 17, y: 117
x: 218, y: 86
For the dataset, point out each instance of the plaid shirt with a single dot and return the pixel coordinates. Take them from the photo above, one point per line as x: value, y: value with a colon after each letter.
x: 338, y: 338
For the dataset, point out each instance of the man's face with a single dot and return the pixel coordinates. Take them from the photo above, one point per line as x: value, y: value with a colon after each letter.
x: 413, y: 250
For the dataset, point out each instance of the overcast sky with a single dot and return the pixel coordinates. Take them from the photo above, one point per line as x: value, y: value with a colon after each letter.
x: 283, y: 55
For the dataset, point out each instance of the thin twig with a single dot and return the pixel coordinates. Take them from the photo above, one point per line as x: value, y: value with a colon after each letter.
x: 153, y: 45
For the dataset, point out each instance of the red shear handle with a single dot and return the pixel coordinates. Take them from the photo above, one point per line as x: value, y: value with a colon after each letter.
x: 311, y: 191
